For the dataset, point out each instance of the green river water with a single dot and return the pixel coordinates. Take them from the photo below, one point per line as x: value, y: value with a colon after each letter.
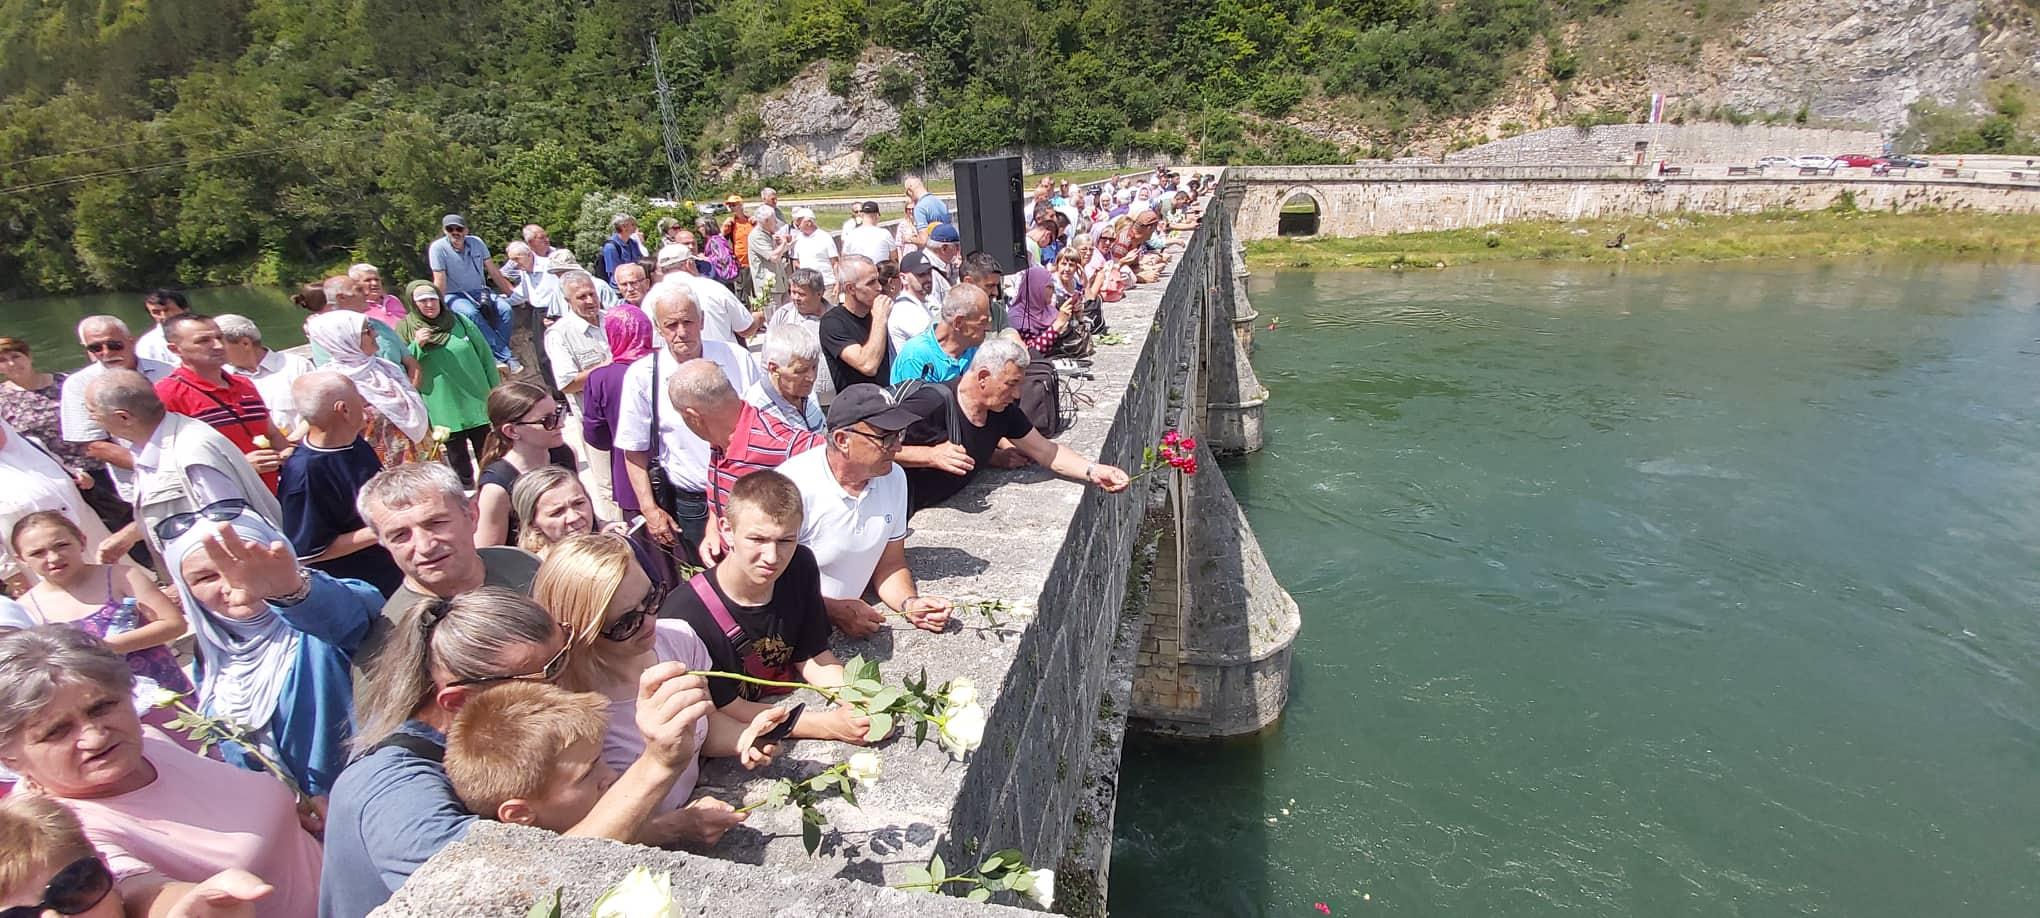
x: 49, y: 324
x: 1678, y: 591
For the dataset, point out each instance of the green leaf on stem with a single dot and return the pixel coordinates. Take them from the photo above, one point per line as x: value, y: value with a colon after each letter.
x: 979, y: 894
x: 915, y: 875
x: 886, y: 698
x: 810, y: 837
x: 546, y: 906
x: 881, y: 727
x: 935, y: 867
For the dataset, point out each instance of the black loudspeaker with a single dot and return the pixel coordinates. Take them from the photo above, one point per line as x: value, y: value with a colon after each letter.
x: 988, y: 196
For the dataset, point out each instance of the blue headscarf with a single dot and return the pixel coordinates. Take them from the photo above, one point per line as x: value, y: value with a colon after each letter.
x: 242, y: 665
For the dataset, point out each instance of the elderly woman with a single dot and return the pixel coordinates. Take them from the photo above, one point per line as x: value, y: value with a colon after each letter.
x: 382, y: 306
x: 610, y: 609
x: 629, y: 333
x: 456, y: 370
x: 327, y: 297
x: 155, y: 811
x: 715, y: 247
x: 1050, y: 327
x: 398, y: 427
x: 276, y: 661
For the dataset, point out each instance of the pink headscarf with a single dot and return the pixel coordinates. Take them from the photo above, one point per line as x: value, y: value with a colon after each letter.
x: 629, y: 331
x: 1033, y: 306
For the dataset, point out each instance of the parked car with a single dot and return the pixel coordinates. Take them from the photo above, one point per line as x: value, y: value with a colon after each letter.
x: 1906, y: 162
x: 1783, y: 162
x: 1858, y: 160
x: 1813, y: 161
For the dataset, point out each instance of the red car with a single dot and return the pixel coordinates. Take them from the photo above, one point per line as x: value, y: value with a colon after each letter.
x: 1859, y: 160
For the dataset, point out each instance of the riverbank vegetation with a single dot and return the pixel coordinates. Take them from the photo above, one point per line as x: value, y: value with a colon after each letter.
x: 1670, y: 238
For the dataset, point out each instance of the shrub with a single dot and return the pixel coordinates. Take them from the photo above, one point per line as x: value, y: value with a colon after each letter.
x: 1277, y: 94
x: 895, y: 84
x: 842, y: 77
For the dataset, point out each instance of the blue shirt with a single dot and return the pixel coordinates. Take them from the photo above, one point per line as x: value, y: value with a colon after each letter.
x: 466, y: 270
x: 923, y: 358
x: 391, y: 811
x: 617, y: 252
x: 930, y: 209
x: 314, y: 713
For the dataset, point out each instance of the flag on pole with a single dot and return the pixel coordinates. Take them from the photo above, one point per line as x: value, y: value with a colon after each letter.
x: 1657, y: 107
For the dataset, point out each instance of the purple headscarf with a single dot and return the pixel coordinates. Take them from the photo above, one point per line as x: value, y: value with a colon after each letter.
x: 629, y: 332
x: 1033, y: 307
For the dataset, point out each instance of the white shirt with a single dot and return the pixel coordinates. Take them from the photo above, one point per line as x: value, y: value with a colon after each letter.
x: 75, y: 422
x: 574, y: 345
x: 151, y: 346
x: 907, y: 319
x: 816, y: 250
x: 721, y: 312
x: 32, y: 481
x: 872, y: 242
x: 684, y: 455
x: 847, y: 532
x: 808, y: 416
x: 272, y: 378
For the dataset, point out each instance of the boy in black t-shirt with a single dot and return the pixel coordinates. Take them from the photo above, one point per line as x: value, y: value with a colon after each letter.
x: 767, y: 618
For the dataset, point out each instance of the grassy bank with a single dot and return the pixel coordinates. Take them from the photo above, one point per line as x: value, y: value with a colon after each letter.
x: 1671, y: 238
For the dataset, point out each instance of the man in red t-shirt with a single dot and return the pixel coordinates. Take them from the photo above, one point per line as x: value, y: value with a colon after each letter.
x: 201, y: 388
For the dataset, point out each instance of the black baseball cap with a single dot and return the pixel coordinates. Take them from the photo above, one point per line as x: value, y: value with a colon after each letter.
x: 915, y: 262
x: 868, y: 207
x: 870, y: 404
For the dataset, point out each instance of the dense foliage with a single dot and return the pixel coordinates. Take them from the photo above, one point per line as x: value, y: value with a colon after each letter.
x: 208, y: 141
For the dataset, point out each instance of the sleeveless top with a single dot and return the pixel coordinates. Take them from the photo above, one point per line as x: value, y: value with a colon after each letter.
x: 156, y: 664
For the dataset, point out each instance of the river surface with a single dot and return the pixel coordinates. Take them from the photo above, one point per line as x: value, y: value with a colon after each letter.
x: 50, y: 324
x: 1676, y: 591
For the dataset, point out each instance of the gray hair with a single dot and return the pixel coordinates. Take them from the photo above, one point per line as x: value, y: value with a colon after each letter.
x: 791, y: 342
x: 997, y: 353
x: 314, y: 394
x: 669, y: 293
x: 403, y: 486
x: 465, y: 637
x: 126, y: 390
x: 35, y: 661
x: 88, y: 324
x: 962, y: 300
x: 617, y: 222
x: 700, y: 384
x: 852, y: 268
x: 576, y: 277
x: 806, y: 279
x: 513, y: 248
x: 363, y: 270
x: 524, y: 497
x: 238, y: 328
x: 338, y: 282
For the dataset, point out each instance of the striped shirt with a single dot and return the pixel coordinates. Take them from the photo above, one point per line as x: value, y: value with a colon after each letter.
x: 235, y: 409
x: 761, y: 441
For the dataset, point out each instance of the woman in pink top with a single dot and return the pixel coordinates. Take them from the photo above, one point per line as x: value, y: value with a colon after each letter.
x: 381, y: 305
x: 593, y: 585
x: 155, y: 811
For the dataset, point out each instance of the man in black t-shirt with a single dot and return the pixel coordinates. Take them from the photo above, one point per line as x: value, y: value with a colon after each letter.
x: 964, y: 422
x: 855, y: 343
x: 768, y: 620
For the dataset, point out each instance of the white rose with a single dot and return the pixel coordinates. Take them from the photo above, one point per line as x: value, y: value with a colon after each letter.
x: 1041, y: 887
x: 640, y: 894
x: 160, y: 697
x: 964, y: 729
x: 962, y: 692
x: 864, y: 768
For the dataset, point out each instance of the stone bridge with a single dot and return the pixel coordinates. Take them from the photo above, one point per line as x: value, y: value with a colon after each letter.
x: 1155, y: 603
x: 1373, y: 200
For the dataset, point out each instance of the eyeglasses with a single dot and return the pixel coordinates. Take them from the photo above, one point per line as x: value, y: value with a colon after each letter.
x: 885, y: 441
x: 219, y: 511
x: 550, y: 422
x: 108, y: 347
x: 630, y: 624
x: 75, y: 889
x: 550, y: 672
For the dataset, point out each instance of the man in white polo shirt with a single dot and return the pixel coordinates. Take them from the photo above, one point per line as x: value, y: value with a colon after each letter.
x: 723, y: 317
x: 681, y: 457
x: 854, y: 503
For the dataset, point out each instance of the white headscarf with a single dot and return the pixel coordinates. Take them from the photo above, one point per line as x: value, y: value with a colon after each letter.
x: 381, y: 382
x: 30, y: 481
x: 242, y: 665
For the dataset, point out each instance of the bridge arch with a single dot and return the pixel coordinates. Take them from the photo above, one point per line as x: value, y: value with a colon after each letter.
x: 1299, y: 211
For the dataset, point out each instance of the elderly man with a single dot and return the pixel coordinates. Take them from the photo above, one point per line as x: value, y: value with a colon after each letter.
x: 202, y: 388
x: 163, y: 305
x: 631, y: 286
x: 540, y: 243
x: 940, y: 353
x: 723, y: 317
x: 668, y: 464
x: 463, y: 272
x: 534, y: 284
x: 855, y: 343
x: 869, y: 239
x: 805, y: 301
x: 425, y: 519
x: 929, y: 211
x: 945, y: 256
x: 911, y: 313
x: 182, y: 465
x: 855, y: 503
x: 740, y: 439
x: 271, y: 371
x: 623, y: 246
x: 382, y: 307
x: 575, y: 345
x: 813, y: 247
x: 109, y: 346
x: 768, y: 253
x: 958, y: 427
x: 321, y: 478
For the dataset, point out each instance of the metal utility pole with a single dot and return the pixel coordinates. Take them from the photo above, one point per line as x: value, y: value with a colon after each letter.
x: 676, y: 153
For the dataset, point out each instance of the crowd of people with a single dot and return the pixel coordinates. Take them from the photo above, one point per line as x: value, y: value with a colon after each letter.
x: 411, y: 581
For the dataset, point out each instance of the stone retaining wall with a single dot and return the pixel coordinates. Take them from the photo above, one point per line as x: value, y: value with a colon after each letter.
x: 1678, y: 143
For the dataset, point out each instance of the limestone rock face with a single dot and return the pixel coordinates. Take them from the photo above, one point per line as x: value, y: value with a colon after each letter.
x: 813, y: 133
x: 1862, y: 61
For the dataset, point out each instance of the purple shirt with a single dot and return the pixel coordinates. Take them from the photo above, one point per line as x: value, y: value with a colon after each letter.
x: 601, y: 411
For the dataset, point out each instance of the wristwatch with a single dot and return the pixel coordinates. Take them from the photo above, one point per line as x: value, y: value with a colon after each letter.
x: 298, y: 595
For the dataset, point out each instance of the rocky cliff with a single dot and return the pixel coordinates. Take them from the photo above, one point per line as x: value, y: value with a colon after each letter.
x: 808, y: 130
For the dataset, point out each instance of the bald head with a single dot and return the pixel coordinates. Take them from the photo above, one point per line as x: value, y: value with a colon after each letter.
x: 324, y: 397
x: 701, y: 392
x: 124, y: 402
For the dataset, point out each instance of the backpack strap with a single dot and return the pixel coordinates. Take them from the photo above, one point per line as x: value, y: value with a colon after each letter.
x: 415, y: 745
x: 741, y: 644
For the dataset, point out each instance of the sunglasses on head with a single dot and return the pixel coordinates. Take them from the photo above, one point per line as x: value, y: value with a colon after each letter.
x: 548, y: 673
x: 631, y: 624
x: 106, y: 347
x: 550, y: 422
x: 219, y: 511
x: 78, y: 887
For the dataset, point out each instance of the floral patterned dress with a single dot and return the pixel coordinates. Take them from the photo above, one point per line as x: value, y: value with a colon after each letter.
x: 35, y: 412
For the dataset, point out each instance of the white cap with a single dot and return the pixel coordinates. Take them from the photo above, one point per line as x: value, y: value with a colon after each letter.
x: 673, y: 255
x: 803, y: 213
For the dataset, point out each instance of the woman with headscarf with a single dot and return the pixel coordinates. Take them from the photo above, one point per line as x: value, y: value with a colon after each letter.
x: 456, y: 370
x: 32, y: 480
x: 275, y: 643
x: 398, y: 427
x: 630, y: 338
x: 1048, y: 327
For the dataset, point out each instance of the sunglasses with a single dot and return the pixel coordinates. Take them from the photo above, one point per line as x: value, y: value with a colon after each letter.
x: 630, y: 624
x: 548, y: 673
x: 550, y: 422
x: 77, y: 888
x: 219, y: 511
x: 106, y: 347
